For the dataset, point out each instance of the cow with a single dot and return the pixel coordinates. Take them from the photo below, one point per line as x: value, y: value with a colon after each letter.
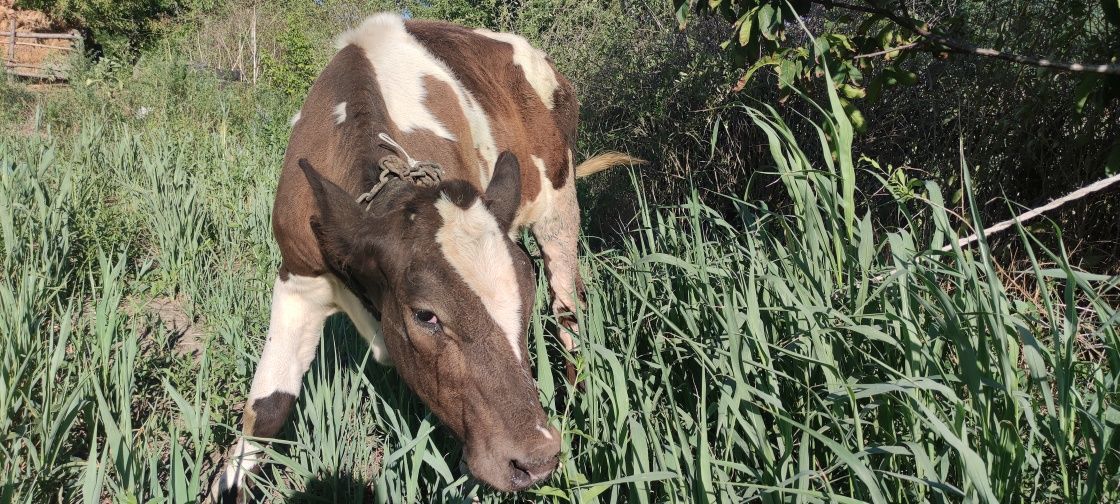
x: 421, y: 151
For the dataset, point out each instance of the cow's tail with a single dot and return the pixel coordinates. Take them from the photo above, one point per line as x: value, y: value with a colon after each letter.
x: 606, y: 160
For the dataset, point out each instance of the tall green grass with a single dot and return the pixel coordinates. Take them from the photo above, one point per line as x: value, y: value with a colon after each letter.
x: 809, y: 354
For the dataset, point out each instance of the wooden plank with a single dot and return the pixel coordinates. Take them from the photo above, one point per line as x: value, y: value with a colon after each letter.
x: 35, y: 71
x: 11, y: 64
x: 46, y: 68
x: 36, y: 35
x: 12, y: 40
x: 36, y: 75
x: 32, y: 44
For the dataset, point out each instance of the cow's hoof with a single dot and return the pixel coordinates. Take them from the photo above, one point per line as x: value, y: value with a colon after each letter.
x: 217, y: 495
x: 222, y: 496
x: 223, y: 490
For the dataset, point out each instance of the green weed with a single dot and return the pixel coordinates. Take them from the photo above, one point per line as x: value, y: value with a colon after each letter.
x: 805, y: 355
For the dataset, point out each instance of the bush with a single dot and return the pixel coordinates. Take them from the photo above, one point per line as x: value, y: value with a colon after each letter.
x: 118, y: 28
x: 295, y: 68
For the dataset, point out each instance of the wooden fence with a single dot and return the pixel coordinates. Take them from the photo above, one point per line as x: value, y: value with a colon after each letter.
x: 44, y: 69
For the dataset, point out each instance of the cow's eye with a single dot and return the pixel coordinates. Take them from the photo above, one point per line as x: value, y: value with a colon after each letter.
x: 426, y: 318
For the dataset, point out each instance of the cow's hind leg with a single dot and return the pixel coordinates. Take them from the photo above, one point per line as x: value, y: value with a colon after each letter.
x: 300, y: 306
x: 558, y: 236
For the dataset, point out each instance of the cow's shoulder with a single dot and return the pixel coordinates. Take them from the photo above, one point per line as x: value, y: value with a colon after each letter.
x: 532, y: 105
x: 504, y: 60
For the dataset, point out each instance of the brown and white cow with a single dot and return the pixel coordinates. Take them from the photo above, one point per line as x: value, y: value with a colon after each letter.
x: 430, y: 276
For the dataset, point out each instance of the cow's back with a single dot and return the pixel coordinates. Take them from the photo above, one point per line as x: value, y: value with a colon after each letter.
x: 449, y: 95
x: 533, y: 108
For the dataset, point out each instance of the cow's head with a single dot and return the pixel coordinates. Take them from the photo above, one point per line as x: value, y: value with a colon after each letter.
x: 455, y: 294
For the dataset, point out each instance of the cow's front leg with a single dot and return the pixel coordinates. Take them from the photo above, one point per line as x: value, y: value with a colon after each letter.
x: 558, y: 236
x: 300, y: 306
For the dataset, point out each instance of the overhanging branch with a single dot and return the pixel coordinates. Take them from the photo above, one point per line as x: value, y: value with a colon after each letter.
x: 953, y: 45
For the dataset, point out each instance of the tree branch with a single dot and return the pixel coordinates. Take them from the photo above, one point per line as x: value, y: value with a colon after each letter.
x: 961, y: 47
x: 887, y: 51
x: 830, y: 4
x: 1023, y: 217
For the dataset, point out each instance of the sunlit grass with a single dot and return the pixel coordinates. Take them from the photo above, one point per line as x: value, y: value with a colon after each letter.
x: 809, y: 355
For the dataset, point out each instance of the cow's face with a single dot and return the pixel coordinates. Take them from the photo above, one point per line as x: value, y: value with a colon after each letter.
x: 455, y: 294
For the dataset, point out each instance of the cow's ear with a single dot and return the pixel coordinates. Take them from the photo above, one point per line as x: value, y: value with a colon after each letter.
x: 503, y: 195
x: 338, y: 221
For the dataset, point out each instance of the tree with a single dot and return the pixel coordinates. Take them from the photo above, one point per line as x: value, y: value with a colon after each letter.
x: 117, y: 27
x: 868, y: 44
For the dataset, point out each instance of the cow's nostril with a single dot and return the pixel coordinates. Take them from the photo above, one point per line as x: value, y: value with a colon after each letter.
x: 517, y: 465
x: 536, y: 462
x: 520, y: 475
x: 527, y: 472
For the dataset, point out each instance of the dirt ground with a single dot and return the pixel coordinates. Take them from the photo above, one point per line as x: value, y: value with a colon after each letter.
x: 26, y: 20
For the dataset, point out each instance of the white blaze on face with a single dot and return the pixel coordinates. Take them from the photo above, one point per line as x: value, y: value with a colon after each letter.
x: 533, y: 63
x: 471, y: 241
x: 340, y: 113
x: 401, y: 63
x: 295, y: 118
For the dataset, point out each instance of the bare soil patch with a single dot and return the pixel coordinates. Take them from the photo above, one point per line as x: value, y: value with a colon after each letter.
x: 186, y: 335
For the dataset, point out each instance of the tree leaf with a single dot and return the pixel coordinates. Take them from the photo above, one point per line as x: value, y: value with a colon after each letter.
x: 1084, y: 89
x: 768, y: 21
x: 682, y: 13
x: 853, y: 92
x: 787, y: 73
x: 746, y: 25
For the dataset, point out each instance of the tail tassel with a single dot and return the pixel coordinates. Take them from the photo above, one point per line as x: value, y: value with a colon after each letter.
x: 605, y: 161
